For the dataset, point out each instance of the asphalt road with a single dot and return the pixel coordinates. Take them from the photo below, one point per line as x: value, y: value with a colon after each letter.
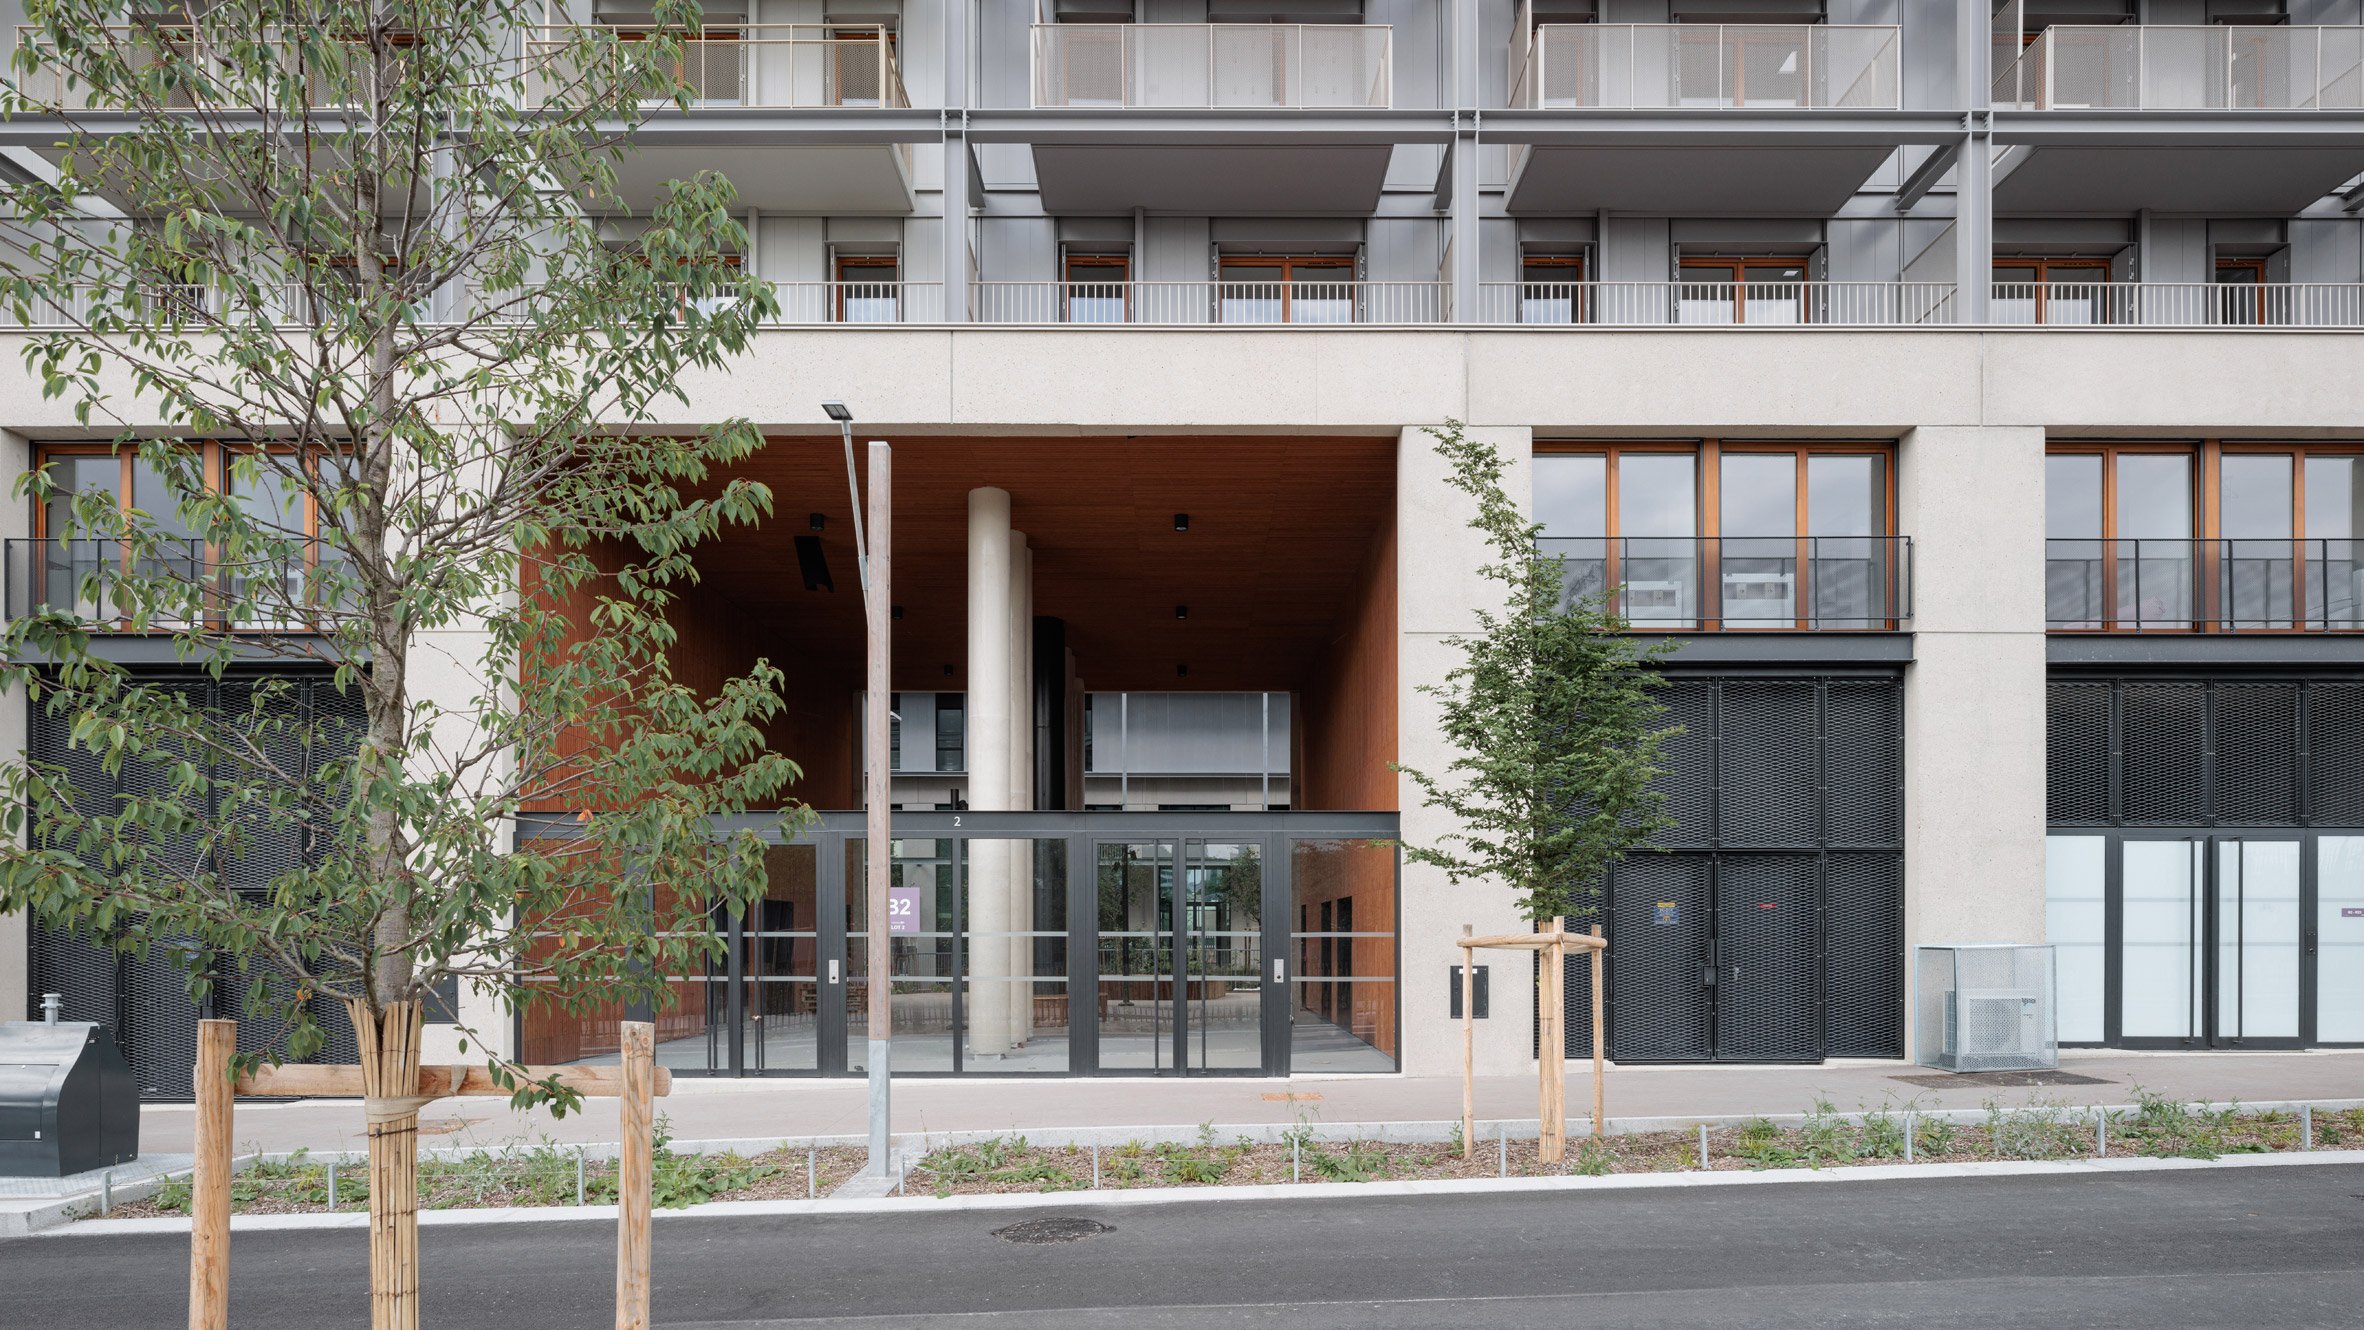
x: 2253, y: 1248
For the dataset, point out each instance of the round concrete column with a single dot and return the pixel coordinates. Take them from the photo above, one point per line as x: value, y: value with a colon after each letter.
x: 990, y: 659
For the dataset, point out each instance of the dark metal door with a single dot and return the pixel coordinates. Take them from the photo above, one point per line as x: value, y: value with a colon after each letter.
x: 1768, y: 959
x: 1662, y: 959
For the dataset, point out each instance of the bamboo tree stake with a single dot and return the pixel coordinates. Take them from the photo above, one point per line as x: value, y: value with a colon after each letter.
x: 635, y: 1168
x: 389, y: 1041
x: 209, y: 1184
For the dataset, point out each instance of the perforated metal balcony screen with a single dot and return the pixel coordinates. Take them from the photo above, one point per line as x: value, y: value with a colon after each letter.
x: 1770, y: 925
x: 144, y: 996
x: 2186, y: 752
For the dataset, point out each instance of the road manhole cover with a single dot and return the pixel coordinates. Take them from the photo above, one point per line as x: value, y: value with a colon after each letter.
x: 1057, y: 1228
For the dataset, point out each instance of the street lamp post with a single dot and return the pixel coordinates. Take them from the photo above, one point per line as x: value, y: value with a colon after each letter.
x: 873, y: 561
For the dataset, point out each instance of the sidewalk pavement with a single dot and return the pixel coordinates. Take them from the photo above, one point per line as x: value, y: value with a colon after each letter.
x: 704, y: 1109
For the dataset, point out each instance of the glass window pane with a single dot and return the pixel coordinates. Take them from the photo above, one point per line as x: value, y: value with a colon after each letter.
x: 2074, y: 915
x: 1571, y: 501
x: 923, y: 973
x: 1342, y: 1009
x: 2255, y: 503
x: 2335, y: 576
x: 1655, y: 495
x: 2339, y: 963
x: 1013, y: 1015
x: 1135, y: 882
x: 2072, y: 496
x: 1657, y: 526
x: 1758, y: 549
x: 781, y: 964
x: 2257, y: 939
x: 2159, y: 978
x: 2335, y: 497
x: 2154, y: 496
x: 153, y: 494
x: 1846, y: 508
x: 2153, y: 551
x: 1846, y: 495
x: 79, y: 473
x: 1759, y: 494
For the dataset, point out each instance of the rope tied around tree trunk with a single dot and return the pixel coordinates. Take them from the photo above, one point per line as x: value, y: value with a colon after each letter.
x: 378, y: 1110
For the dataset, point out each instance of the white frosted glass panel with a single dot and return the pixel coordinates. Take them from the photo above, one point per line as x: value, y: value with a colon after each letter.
x: 2159, y: 981
x: 2257, y: 939
x: 2074, y: 923
x: 2339, y: 940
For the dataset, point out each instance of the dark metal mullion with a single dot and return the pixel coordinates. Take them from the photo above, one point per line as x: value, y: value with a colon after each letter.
x: 960, y: 950
x: 734, y: 971
x: 2113, y: 937
x: 1714, y: 996
x: 2309, y: 854
x: 1083, y: 957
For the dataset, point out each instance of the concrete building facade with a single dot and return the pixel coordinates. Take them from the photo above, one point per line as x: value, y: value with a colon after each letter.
x: 1971, y: 396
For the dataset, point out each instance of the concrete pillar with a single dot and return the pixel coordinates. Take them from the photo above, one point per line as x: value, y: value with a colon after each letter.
x: 989, y: 764
x: 1972, y: 500
x: 1438, y: 588
x: 1021, y: 747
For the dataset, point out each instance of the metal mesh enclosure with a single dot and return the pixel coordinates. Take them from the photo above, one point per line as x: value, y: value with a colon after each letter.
x: 2077, y: 751
x: 2180, y: 752
x: 1773, y: 930
x: 1986, y: 1008
x: 144, y: 996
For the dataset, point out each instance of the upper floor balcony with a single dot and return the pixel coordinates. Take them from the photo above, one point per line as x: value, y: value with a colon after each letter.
x: 760, y: 65
x: 1695, y: 584
x: 1652, y: 66
x: 2276, y: 585
x: 2161, y: 67
x: 1736, y: 72
x: 1214, y: 66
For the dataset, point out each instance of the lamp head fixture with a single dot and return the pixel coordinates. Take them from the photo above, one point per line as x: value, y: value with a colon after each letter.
x: 837, y: 412
x: 1181, y: 521
x: 1181, y: 611
x: 817, y: 521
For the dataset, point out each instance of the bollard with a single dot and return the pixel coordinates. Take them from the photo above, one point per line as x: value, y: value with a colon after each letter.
x: 2101, y: 1134
x: 2306, y: 1126
x: 1909, y: 1132
x: 1295, y: 1147
x: 332, y: 1186
x: 580, y: 1190
x: 1502, y: 1145
x: 1703, y: 1145
x: 812, y: 1171
x: 1096, y: 1166
x: 106, y: 1193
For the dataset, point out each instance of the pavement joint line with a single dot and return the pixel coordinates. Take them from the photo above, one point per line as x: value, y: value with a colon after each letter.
x: 1317, y: 1191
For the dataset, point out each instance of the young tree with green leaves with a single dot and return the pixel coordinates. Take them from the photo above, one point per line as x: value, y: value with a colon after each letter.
x: 373, y: 252
x: 1551, y: 717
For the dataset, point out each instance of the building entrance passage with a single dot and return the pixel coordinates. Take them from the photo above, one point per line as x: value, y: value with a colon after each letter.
x: 1051, y: 943
x: 1183, y: 986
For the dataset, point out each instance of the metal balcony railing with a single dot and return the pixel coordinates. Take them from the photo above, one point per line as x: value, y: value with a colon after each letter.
x: 1727, y: 583
x: 1652, y: 66
x: 2160, y: 67
x: 1176, y: 303
x: 781, y: 65
x: 1842, y: 304
x: 1269, y: 66
x: 2204, y: 585
x: 104, y: 582
x: 859, y: 302
x: 2180, y: 304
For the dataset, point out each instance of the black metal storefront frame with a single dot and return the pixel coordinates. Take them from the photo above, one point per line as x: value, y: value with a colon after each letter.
x: 1081, y: 834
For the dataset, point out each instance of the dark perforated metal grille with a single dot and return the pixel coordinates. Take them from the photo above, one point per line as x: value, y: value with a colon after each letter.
x: 2163, y: 741
x: 1768, y: 1001
x: 1654, y: 993
x: 144, y: 996
x: 2335, y: 754
x: 1769, y: 763
x: 1864, y: 762
x: 2077, y: 751
x: 2257, y: 753
x: 1863, y: 987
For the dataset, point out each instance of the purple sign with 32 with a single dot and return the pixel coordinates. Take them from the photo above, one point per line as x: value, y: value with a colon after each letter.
x: 902, y: 909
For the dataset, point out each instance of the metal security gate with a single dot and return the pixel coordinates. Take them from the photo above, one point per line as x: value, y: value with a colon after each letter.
x: 1768, y: 924
x: 143, y: 995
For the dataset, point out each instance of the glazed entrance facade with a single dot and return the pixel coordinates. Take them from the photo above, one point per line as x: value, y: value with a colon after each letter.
x: 1097, y: 943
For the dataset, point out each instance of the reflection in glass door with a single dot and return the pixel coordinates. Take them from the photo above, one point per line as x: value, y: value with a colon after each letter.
x: 2256, y: 972
x: 2210, y: 941
x: 2160, y: 942
x: 1181, y: 943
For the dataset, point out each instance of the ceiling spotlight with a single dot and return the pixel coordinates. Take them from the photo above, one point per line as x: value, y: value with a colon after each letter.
x: 898, y: 614
x: 1181, y: 671
x: 838, y: 413
x: 947, y: 671
x: 1181, y: 611
x: 817, y: 521
x: 1181, y: 521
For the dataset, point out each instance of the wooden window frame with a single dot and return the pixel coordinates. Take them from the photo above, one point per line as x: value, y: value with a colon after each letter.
x: 1738, y: 267
x: 1068, y: 281
x: 2207, y: 456
x: 2223, y: 299
x: 839, y: 263
x: 1288, y: 264
x: 2044, y: 279
x: 1574, y: 263
x: 216, y: 457
x: 1707, y: 514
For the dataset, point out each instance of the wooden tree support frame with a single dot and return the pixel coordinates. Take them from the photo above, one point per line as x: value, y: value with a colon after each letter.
x: 637, y: 1082
x: 1551, y: 1062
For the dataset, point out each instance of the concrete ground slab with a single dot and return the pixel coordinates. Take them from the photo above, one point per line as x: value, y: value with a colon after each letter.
x: 701, y: 1109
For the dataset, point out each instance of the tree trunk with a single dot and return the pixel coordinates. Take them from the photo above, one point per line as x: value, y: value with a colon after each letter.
x: 390, y: 1080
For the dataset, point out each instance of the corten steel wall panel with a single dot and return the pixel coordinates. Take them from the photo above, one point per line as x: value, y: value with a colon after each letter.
x: 2163, y: 748
x: 1863, y: 927
x: 1863, y: 763
x: 2335, y: 754
x: 2256, y: 746
x: 1769, y: 996
x: 1769, y: 765
x: 1658, y: 1011
x: 2077, y: 752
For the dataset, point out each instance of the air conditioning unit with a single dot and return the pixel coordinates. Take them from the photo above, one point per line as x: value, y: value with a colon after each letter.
x: 1986, y: 1007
